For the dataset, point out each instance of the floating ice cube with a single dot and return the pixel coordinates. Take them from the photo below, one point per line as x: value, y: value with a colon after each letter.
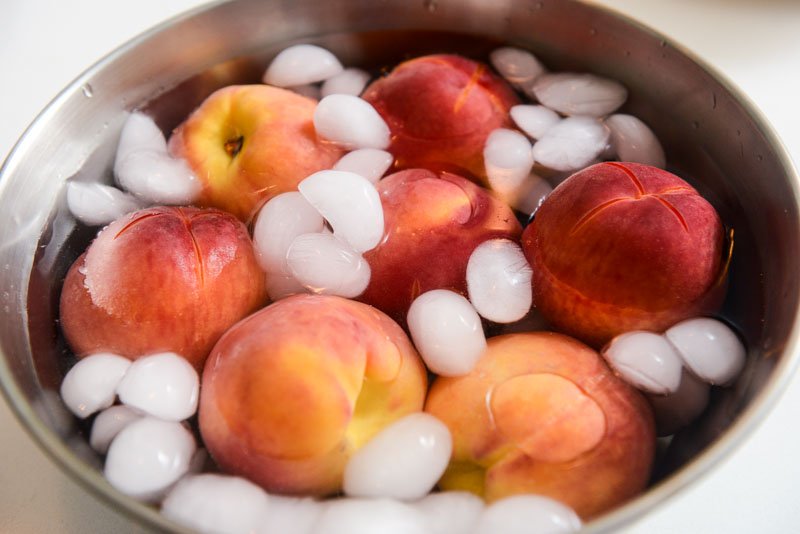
x: 109, y: 423
x: 632, y: 140
x: 157, y: 178
x: 524, y: 514
x: 499, y: 281
x: 301, y: 64
x: 144, y: 168
x: 579, y: 94
x: 709, y: 348
x: 369, y: 516
x: 518, y: 66
x: 508, y: 160
x: 645, y: 360
x: 279, y: 222
x: 164, y: 385
x: 217, y: 504
x: 534, y: 120
x: 350, y: 81
x: 572, y: 144
x: 403, y: 461
x: 678, y: 409
x: 291, y: 515
x: 370, y: 163
x: 450, y: 512
x: 148, y: 456
x: 325, y: 264
x: 139, y: 133
x: 97, y: 204
x: 350, y: 122
x: 447, y: 332
x: 350, y: 203
x: 91, y: 384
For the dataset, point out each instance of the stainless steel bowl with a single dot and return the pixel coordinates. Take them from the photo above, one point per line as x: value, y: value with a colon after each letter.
x: 712, y: 135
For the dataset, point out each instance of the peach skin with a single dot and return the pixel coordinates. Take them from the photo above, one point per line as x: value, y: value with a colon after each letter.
x: 433, y: 222
x: 623, y: 246
x: 440, y: 110
x: 541, y: 413
x: 289, y: 393
x: 161, y: 279
x: 248, y: 143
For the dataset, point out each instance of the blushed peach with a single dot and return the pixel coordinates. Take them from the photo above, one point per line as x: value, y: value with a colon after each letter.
x: 161, y: 280
x: 623, y: 246
x: 440, y: 110
x: 433, y: 222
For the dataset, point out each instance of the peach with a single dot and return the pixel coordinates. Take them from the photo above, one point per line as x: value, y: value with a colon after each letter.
x: 541, y: 413
x: 161, y: 279
x: 432, y: 224
x: 623, y: 246
x: 440, y: 110
x: 289, y: 393
x: 248, y: 143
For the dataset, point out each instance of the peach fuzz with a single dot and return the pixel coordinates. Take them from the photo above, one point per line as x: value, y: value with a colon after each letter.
x: 161, y: 279
x: 440, y: 110
x: 248, y: 143
x: 289, y: 393
x: 623, y: 246
x: 432, y: 223
x: 541, y: 413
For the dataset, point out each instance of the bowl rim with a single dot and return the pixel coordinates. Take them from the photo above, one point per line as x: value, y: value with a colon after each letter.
x: 695, y: 469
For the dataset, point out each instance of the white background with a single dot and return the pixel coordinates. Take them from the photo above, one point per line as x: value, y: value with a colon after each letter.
x: 46, y: 43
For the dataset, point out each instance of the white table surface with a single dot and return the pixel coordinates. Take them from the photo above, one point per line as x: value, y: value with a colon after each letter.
x: 46, y: 43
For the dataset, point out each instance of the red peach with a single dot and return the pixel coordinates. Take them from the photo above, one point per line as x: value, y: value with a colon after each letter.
x: 161, y: 279
x: 440, y: 110
x: 432, y: 224
x: 541, y: 413
x: 248, y: 143
x: 289, y: 393
x: 623, y: 246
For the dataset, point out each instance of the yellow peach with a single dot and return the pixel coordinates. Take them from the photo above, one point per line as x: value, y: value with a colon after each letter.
x: 291, y: 392
x: 541, y: 413
x: 248, y: 143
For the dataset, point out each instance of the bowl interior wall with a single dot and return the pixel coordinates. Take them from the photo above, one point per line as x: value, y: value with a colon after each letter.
x: 710, y: 135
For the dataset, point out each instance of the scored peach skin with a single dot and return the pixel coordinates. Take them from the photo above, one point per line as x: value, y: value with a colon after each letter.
x: 440, y: 110
x: 541, y: 413
x: 433, y: 222
x: 623, y: 246
x: 161, y: 279
x: 248, y: 143
x: 289, y: 393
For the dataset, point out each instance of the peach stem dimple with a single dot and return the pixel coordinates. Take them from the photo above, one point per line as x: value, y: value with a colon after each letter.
x: 234, y: 146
